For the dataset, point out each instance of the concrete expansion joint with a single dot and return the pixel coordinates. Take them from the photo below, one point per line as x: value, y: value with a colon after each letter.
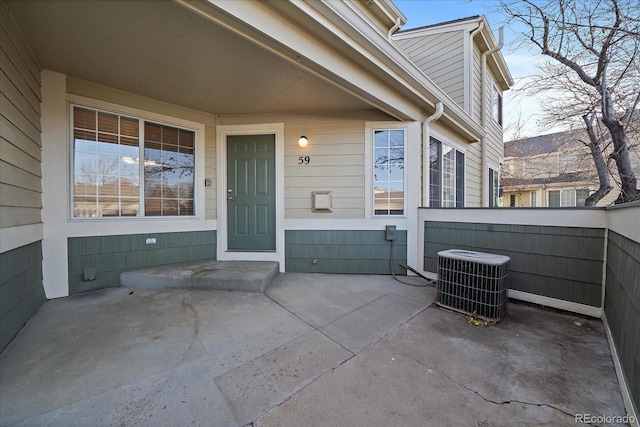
x: 311, y: 326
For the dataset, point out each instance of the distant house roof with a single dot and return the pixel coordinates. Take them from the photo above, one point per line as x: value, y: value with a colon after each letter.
x: 542, y: 144
x: 453, y: 21
x: 590, y: 175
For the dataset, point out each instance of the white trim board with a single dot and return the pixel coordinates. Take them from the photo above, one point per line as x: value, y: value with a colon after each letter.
x: 346, y: 224
x: 572, y: 307
x: 622, y: 380
x: 588, y: 218
x: 15, y: 237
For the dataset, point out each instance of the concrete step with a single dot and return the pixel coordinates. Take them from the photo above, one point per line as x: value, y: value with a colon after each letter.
x: 246, y: 276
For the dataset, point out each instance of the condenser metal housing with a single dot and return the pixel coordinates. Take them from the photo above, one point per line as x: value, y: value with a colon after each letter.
x: 473, y: 283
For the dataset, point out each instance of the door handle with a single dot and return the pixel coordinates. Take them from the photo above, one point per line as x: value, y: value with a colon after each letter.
x: 230, y: 198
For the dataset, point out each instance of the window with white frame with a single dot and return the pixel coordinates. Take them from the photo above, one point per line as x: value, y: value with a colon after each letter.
x: 388, y: 171
x: 446, y: 175
x: 496, y: 104
x: 569, y: 163
x: 494, y: 188
x: 109, y: 178
x: 581, y: 196
x: 534, y: 199
x: 568, y: 198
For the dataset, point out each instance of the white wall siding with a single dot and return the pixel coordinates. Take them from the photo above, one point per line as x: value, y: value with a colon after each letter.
x: 210, y: 172
x: 473, y: 176
x: 20, y: 141
x: 336, y: 163
x: 441, y: 58
x: 495, y: 145
x: 476, y: 109
x: 336, y: 152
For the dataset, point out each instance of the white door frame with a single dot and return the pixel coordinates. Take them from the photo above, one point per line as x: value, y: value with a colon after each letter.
x: 222, y: 248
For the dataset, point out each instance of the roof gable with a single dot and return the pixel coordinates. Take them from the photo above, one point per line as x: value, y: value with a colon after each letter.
x: 447, y: 25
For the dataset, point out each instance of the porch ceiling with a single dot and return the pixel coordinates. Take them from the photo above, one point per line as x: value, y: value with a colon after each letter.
x: 161, y: 50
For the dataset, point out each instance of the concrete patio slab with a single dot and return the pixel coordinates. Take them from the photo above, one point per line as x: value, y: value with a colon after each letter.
x: 316, y: 349
x: 321, y: 298
x: 186, y: 395
x: 272, y: 378
x: 367, y: 324
x: 543, y: 357
x: 74, y: 348
x: 236, y: 327
x: 381, y: 387
x: 537, y: 367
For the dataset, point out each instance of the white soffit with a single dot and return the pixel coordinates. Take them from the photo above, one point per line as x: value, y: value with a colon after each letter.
x: 164, y: 51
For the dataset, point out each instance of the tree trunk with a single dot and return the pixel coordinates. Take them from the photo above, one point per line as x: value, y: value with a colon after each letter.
x: 598, y: 160
x: 629, y: 183
x: 603, y: 177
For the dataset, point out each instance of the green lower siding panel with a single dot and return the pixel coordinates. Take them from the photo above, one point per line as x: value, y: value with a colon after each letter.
x: 557, y: 262
x: 111, y: 255
x: 21, y: 289
x: 622, y: 306
x: 343, y: 251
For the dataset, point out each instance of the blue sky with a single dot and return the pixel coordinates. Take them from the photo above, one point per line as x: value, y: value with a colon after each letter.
x: 521, y: 62
x: 425, y: 12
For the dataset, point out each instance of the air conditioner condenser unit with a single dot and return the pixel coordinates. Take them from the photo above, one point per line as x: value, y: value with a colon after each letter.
x: 473, y: 283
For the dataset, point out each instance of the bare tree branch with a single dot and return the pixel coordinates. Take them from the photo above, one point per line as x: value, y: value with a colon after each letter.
x: 594, y: 66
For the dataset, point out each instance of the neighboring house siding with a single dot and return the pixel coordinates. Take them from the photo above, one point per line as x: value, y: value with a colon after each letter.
x: 557, y: 262
x: 21, y: 290
x: 441, y: 58
x: 622, y: 305
x: 554, y: 162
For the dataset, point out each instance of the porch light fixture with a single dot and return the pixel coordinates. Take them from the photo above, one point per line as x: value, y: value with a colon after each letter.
x: 303, y: 141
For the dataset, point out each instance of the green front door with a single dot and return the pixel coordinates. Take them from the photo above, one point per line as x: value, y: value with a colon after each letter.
x: 251, y: 193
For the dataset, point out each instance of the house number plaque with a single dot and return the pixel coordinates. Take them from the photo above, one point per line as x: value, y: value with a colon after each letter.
x: 304, y: 160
